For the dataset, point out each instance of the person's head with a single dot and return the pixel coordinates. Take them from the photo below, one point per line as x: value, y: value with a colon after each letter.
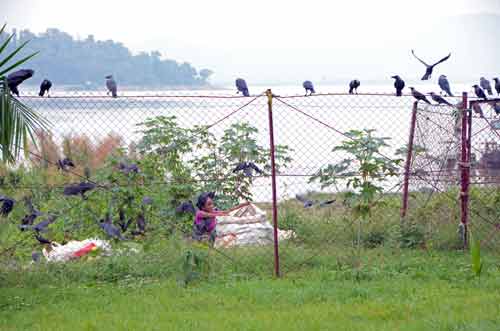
x: 205, y: 202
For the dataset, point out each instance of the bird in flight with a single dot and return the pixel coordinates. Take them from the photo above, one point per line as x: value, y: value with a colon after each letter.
x: 429, y: 68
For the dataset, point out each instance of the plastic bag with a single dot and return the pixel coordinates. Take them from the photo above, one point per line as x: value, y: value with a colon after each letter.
x: 74, y: 249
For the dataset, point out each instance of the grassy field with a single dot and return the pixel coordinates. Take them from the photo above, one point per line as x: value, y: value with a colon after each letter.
x: 403, y: 290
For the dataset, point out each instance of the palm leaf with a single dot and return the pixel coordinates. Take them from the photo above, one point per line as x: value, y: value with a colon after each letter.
x: 18, y: 63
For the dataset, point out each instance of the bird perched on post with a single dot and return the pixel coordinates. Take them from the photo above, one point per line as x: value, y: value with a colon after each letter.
x: 353, y: 86
x: 444, y: 85
x: 111, y: 85
x: 497, y: 85
x: 45, y: 87
x: 429, y: 68
x: 242, y: 87
x: 419, y: 96
x: 439, y: 99
x: 479, y: 92
x: 17, y: 77
x: 399, y: 84
x: 308, y: 86
x: 485, y: 85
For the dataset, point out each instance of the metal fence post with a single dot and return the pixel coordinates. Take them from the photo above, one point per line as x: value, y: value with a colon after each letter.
x: 465, y: 169
x: 273, y: 183
x: 409, y: 152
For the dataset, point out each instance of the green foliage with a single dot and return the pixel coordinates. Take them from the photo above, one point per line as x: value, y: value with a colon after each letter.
x: 475, y: 252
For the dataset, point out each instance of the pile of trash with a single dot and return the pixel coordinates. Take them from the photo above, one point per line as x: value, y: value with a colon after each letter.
x: 74, y: 249
x: 247, y: 226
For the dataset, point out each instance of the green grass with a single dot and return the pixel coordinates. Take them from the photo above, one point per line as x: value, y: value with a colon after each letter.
x: 392, y: 290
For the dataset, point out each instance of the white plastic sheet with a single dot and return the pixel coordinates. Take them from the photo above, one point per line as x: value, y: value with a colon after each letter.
x: 59, y: 252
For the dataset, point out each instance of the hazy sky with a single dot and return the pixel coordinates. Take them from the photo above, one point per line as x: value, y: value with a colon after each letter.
x: 264, y: 40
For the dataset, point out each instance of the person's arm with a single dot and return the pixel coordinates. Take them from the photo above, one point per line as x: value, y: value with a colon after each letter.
x: 238, y: 206
x: 212, y: 214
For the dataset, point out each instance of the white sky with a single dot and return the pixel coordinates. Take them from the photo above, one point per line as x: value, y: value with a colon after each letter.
x: 244, y: 37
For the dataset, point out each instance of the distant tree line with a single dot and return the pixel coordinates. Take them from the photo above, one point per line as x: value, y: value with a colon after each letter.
x: 68, y: 61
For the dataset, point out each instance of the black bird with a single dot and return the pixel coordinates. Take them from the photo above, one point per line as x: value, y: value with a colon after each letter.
x: 479, y: 92
x: 308, y: 86
x: 80, y: 188
x: 429, y: 68
x: 128, y: 168
x: 111, y: 86
x: 45, y: 87
x: 17, y: 77
x: 108, y: 227
x: 496, y: 108
x: 419, y: 96
x: 42, y: 240
x: 29, y: 218
x: 485, y: 85
x: 141, y: 222
x: 124, y: 224
x: 497, y: 85
x: 242, y: 87
x: 439, y: 99
x: 64, y: 164
x: 247, y: 168
x: 7, y: 205
x: 353, y: 86
x: 444, y: 85
x: 326, y: 203
x: 307, y: 203
x: 42, y: 226
x: 186, y: 207
x: 399, y: 84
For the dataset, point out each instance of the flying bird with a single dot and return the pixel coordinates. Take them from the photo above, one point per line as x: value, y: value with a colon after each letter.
x: 17, y: 77
x: 64, y: 164
x: 242, y: 87
x: 429, y: 68
x: 419, y: 96
x: 247, y: 168
x: 399, y: 84
x: 353, y: 86
x: 7, y: 205
x: 439, y: 99
x: 497, y: 85
x: 485, y: 85
x: 444, y: 85
x: 307, y: 203
x: 479, y: 92
x: 81, y: 188
x: 308, y: 86
x: 45, y: 87
x: 111, y: 85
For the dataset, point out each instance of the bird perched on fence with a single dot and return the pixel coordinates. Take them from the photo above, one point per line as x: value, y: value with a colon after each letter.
x: 80, y: 188
x: 17, y: 77
x: 308, y: 86
x: 444, y: 85
x: 497, y: 85
x: 496, y: 108
x: 7, y: 205
x: 111, y: 85
x: 248, y: 168
x: 353, y: 86
x: 45, y: 87
x: 242, y: 87
x: 439, y: 99
x: 479, y: 92
x: 485, y: 85
x: 110, y: 229
x: 64, y: 164
x: 399, y: 84
x: 429, y: 68
x: 419, y: 96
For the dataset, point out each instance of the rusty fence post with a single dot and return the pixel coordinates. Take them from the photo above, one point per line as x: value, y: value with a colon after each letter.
x: 465, y: 169
x: 273, y: 183
x: 409, y: 153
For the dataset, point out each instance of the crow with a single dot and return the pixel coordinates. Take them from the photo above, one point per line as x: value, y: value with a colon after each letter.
x: 307, y: 203
x: 399, y: 84
x: 111, y: 85
x: 308, y: 86
x: 42, y: 240
x: 186, y: 207
x: 7, y: 205
x: 326, y: 203
x: 45, y: 87
x: 497, y: 85
x: 141, y: 222
x: 353, y: 86
x: 496, y: 108
x: 128, y: 168
x: 80, y: 188
x: 444, y: 85
x: 485, y: 85
x: 42, y: 226
x: 108, y: 227
x: 17, y: 77
x: 29, y: 218
x: 247, y: 168
x: 479, y: 92
x: 429, y: 68
x: 242, y: 87
x: 439, y: 99
x: 419, y: 96
x: 64, y: 164
x: 122, y: 222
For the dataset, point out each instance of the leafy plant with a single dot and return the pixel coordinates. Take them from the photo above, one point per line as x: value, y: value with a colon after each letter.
x: 475, y: 252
